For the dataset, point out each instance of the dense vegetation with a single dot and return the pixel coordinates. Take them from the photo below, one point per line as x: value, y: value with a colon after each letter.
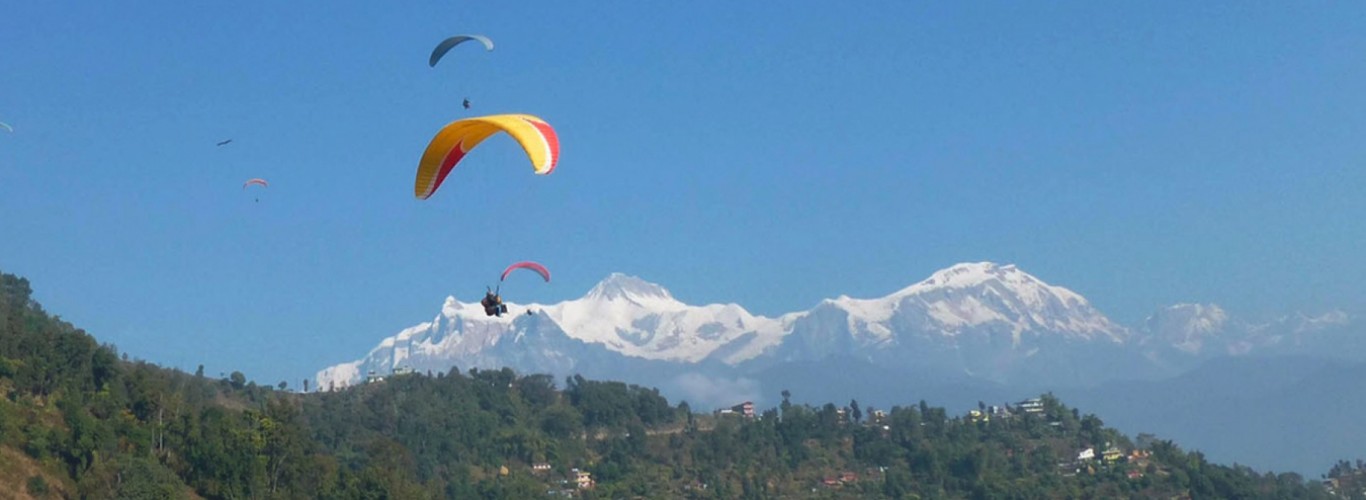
x: 78, y: 421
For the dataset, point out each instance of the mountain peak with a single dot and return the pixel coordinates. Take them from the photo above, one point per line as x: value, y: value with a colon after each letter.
x: 969, y: 275
x: 622, y: 286
x: 1181, y: 323
x: 966, y: 274
x: 971, y: 294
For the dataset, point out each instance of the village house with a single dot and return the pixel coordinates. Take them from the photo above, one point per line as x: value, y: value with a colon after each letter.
x: 1031, y: 406
x: 977, y: 416
x: 540, y: 467
x: 745, y: 409
x: 1112, y: 454
x: 878, y: 417
x: 1087, y: 454
x: 582, y: 479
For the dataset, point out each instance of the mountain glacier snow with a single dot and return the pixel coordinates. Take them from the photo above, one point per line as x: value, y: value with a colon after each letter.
x: 980, y: 321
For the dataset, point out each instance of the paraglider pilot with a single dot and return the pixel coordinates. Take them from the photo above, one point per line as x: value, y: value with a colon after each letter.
x: 493, y: 304
x: 467, y: 103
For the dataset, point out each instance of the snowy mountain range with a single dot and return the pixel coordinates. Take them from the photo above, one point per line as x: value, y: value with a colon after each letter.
x: 983, y: 322
x: 1183, y: 335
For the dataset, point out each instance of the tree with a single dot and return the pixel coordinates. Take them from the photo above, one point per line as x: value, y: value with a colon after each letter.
x: 282, y: 385
x: 854, y: 411
x: 238, y: 380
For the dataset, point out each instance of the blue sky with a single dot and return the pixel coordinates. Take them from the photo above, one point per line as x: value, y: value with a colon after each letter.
x: 1141, y: 154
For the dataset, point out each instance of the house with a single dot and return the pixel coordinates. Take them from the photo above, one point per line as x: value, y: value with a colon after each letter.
x: 1031, y: 406
x: 745, y: 409
x: 1087, y: 454
x: 1135, y: 474
x: 1112, y: 454
x: 977, y: 416
x: 878, y: 417
x: 540, y: 467
x: 371, y: 377
x: 583, y: 479
x: 726, y: 412
x: 848, y: 477
x: 831, y: 481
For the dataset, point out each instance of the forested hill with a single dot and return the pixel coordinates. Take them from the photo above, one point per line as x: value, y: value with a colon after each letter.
x: 76, y: 421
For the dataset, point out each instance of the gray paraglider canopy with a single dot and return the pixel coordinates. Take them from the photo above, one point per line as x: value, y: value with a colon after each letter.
x: 446, y: 45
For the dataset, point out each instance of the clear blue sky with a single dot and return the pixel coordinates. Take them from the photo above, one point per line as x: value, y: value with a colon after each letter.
x: 1140, y: 153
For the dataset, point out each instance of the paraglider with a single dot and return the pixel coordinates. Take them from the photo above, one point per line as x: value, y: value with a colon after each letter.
x: 255, y: 182
x: 493, y: 304
x: 459, y: 137
x: 224, y: 143
x: 467, y: 103
x: 6, y: 127
x: 449, y: 43
x: 540, y: 269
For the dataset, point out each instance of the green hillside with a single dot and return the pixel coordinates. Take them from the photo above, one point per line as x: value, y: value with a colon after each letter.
x: 79, y: 421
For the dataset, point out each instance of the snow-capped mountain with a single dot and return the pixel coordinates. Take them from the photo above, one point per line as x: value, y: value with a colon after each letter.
x: 974, y: 297
x: 623, y: 318
x: 1188, y: 327
x: 978, y: 306
x: 981, y: 318
x: 636, y: 318
x: 1181, y: 334
x: 984, y: 321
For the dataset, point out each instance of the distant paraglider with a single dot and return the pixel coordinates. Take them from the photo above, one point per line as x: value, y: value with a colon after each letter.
x: 7, y: 127
x: 449, y: 43
x: 255, y: 182
x: 224, y: 143
x: 459, y: 137
x: 467, y: 103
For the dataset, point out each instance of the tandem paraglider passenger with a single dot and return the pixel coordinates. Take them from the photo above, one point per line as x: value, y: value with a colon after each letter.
x: 493, y: 304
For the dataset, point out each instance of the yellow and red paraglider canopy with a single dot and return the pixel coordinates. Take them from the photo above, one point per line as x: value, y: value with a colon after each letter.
x: 457, y: 138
